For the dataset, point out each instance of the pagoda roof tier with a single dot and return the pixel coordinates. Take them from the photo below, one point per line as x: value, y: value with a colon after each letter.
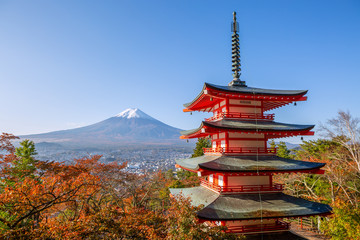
x: 285, y: 235
x: 249, y: 206
x: 212, y: 94
x: 250, y: 164
x: 273, y: 129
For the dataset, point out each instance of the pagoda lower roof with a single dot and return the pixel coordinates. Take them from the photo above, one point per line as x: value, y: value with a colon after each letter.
x: 286, y: 235
x: 246, y: 126
x: 267, y: 163
x: 249, y: 206
x: 286, y: 96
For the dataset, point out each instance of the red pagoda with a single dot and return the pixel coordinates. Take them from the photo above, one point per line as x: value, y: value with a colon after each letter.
x: 236, y: 173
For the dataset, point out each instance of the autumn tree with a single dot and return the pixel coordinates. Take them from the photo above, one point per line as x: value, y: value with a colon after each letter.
x: 41, y: 190
x: 183, y: 223
x: 340, y: 185
x: 344, y: 223
x: 90, y: 200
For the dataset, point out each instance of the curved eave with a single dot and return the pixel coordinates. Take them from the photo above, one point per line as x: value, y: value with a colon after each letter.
x: 275, y: 98
x: 247, y: 164
x: 193, y: 133
x: 246, y: 126
x: 248, y: 207
x: 256, y: 91
x: 187, y: 105
x: 272, y: 217
x: 256, y: 126
x: 195, y: 169
x: 192, y: 164
x: 263, y: 169
x: 198, y: 195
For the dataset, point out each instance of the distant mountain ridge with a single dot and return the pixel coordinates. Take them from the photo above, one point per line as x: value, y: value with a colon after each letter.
x: 131, y: 126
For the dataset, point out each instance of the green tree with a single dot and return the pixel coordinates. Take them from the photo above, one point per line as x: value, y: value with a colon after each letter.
x: 315, y: 148
x: 187, y: 178
x: 184, y: 174
x: 201, y: 143
x: 176, y: 184
x: 281, y: 149
x: 343, y: 224
x: 24, y: 165
x: 169, y: 174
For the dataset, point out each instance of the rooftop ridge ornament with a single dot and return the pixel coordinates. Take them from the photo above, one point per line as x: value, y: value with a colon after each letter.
x: 236, y: 65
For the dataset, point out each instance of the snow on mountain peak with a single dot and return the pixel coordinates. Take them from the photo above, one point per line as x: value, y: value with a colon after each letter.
x: 133, y: 113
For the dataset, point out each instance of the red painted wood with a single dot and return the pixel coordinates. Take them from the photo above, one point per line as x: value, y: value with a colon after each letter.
x: 241, y: 188
x: 271, y: 102
x: 240, y: 150
x: 248, y: 116
x: 279, y: 225
x: 244, y: 105
x: 244, y: 139
x: 271, y: 134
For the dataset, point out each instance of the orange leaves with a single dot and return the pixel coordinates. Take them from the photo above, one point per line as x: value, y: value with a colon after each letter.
x: 91, y: 200
x: 5, y: 142
x: 54, y: 189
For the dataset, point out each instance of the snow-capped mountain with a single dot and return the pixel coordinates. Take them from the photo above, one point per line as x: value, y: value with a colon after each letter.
x: 133, y: 113
x: 131, y: 126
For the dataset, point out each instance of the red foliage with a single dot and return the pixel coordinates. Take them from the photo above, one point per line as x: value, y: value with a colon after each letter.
x: 91, y: 200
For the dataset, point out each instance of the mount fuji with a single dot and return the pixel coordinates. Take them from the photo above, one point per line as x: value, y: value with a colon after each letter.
x: 129, y: 127
x: 133, y: 113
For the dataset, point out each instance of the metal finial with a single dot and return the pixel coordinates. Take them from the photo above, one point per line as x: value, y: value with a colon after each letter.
x: 236, y: 65
x: 234, y: 29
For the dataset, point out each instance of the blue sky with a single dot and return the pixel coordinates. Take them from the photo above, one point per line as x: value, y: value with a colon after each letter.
x: 67, y: 63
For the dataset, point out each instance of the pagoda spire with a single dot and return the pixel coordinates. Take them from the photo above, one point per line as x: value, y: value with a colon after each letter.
x: 236, y: 65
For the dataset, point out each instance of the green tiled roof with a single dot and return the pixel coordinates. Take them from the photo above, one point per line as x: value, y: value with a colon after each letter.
x: 199, y: 195
x: 225, y: 163
x: 250, y: 125
x: 249, y: 206
x: 256, y: 206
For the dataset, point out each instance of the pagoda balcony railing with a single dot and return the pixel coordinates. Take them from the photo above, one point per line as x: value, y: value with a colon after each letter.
x: 242, y: 188
x: 279, y: 225
x: 240, y: 150
x: 248, y: 116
